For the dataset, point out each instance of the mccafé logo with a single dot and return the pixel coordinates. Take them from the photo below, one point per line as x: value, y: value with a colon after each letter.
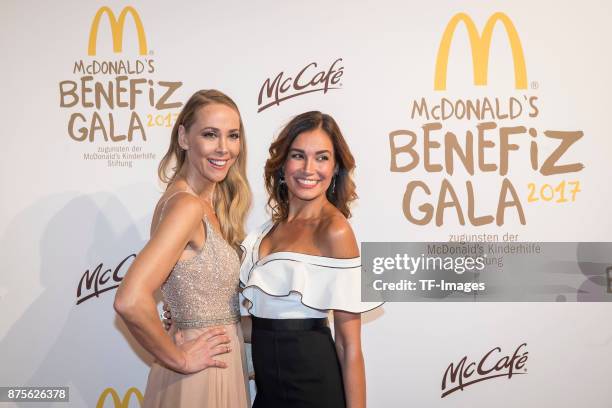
x: 117, y: 26
x: 491, y: 365
x: 101, y: 280
x: 118, y: 402
x: 308, y: 79
x: 481, y: 44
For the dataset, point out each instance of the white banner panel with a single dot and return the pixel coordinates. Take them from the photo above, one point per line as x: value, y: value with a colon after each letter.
x: 513, y: 94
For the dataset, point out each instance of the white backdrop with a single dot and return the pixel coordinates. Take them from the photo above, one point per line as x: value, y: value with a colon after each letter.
x: 65, y: 210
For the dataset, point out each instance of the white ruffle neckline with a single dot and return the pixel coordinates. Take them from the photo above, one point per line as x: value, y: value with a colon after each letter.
x: 322, y: 283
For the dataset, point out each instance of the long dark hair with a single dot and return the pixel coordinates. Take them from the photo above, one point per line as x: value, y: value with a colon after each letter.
x: 341, y: 194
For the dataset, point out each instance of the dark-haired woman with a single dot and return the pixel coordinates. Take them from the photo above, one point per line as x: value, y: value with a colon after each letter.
x: 301, y: 265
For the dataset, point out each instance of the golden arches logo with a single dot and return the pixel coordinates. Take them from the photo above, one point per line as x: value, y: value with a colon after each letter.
x: 117, y: 26
x: 117, y: 401
x: 481, y: 44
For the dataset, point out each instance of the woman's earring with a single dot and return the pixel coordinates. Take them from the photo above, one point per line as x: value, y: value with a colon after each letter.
x: 281, y: 181
x: 334, y: 184
x: 281, y: 177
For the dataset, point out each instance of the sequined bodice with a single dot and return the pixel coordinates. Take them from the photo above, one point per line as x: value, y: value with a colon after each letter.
x: 202, y: 291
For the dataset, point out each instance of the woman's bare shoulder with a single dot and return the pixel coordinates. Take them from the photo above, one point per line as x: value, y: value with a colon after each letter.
x: 182, y: 208
x: 336, y: 237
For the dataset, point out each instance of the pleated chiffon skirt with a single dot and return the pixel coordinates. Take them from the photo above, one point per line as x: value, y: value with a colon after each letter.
x: 210, y: 388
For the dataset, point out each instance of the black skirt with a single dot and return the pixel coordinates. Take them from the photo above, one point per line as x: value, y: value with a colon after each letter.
x: 296, y: 365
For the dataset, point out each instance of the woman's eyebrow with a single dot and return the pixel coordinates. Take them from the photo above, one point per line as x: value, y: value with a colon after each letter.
x: 318, y: 152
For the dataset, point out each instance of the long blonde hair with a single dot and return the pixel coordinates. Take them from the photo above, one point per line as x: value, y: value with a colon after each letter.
x: 232, y: 197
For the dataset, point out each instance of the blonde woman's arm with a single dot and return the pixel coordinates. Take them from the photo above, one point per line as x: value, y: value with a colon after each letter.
x: 135, y: 301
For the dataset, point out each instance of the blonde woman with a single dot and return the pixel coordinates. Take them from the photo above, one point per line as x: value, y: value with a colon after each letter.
x: 192, y: 256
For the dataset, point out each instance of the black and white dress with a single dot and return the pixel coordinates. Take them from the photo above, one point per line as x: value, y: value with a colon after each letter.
x: 289, y: 296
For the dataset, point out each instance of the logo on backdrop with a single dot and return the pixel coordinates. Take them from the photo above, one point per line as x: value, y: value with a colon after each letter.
x: 481, y: 45
x: 493, y: 364
x: 118, y: 402
x: 100, y: 279
x: 114, y: 98
x: 309, y: 79
x: 116, y: 26
x: 502, y: 125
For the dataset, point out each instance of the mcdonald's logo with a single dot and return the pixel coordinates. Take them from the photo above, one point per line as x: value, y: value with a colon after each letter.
x: 117, y: 26
x: 481, y: 45
x: 119, y: 402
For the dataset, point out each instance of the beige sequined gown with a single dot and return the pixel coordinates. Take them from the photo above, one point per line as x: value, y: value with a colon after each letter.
x: 202, y: 292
